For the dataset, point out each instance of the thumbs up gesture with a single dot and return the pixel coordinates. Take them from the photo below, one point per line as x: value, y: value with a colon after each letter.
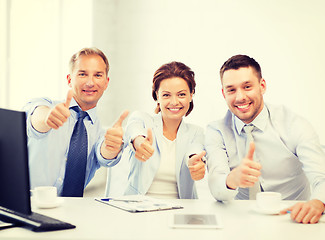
x: 60, y: 113
x: 197, y: 166
x: 45, y: 118
x: 143, y: 146
x: 114, y: 138
x: 247, y: 173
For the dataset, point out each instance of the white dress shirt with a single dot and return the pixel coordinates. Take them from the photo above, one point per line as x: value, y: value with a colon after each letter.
x: 293, y: 162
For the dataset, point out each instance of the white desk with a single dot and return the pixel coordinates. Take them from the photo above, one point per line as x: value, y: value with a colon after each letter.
x: 95, y: 220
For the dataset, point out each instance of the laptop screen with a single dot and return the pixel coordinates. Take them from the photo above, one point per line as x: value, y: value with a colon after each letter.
x: 14, y: 173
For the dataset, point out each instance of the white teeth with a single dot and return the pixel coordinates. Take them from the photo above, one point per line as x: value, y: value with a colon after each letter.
x: 243, y: 106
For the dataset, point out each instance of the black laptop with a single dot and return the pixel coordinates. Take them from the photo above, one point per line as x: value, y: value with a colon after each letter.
x: 15, y: 204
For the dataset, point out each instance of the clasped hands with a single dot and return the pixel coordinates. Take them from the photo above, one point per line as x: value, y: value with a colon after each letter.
x: 247, y: 174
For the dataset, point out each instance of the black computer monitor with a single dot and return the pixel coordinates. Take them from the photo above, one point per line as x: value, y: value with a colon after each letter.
x: 15, y: 203
x: 14, y: 173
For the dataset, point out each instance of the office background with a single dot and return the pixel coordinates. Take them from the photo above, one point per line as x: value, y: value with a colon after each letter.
x: 287, y: 38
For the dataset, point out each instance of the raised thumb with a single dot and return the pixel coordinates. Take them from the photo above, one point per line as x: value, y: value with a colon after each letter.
x: 149, y: 136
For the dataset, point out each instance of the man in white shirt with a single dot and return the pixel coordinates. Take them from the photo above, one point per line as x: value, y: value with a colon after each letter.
x: 285, y: 155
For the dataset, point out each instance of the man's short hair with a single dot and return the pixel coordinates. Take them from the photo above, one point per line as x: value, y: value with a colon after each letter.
x: 239, y: 61
x: 87, y: 52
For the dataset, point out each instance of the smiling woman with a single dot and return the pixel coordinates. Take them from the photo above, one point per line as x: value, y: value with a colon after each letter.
x: 173, y: 99
x: 171, y: 149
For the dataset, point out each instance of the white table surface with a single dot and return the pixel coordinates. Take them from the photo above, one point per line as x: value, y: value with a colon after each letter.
x: 95, y: 220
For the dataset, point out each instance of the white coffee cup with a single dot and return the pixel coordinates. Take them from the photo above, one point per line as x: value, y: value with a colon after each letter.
x: 268, y: 200
x: 45, y: 195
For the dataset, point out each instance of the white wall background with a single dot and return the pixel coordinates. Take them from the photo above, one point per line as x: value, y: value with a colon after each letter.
x: 287, y: 38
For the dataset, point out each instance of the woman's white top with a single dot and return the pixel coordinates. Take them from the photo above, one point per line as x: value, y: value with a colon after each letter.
x: 164, y: 184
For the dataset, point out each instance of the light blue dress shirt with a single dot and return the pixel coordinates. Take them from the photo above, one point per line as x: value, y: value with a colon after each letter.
x: 48, y: 151
x: 189, y: 140
x: 293, y: 162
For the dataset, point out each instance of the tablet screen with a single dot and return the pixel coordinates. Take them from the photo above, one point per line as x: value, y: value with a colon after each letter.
x: 195, y: 221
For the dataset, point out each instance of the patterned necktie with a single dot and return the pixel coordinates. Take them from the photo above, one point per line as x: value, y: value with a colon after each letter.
x: 249, y: 138
x: 75, y: 170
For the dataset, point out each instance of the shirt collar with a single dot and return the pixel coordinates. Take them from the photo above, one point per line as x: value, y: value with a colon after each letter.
x: 91, y: 112
x: 259, y: 122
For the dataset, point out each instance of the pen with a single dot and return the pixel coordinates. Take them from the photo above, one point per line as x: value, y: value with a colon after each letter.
x: 290, y: 212
x: 120, y: 200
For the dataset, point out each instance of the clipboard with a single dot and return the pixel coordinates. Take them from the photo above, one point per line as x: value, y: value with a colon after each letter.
x: 139, y: 203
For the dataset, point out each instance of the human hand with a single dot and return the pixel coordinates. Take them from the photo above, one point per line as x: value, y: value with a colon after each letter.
x: 247, y: 173
x: 306, y: 212
x: 114, y: 138
x: 197, y: 166
x: 143, y: 146
x: 58, y: 115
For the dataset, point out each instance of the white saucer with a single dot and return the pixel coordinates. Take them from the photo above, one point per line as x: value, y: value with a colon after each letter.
x: 269, y: 211
x: 57, y: 203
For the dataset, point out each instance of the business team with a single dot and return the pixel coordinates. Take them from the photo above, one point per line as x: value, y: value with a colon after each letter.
x: 255, y: 147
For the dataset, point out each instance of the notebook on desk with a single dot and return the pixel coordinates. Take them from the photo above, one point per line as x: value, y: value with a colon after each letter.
x: 15, y: 204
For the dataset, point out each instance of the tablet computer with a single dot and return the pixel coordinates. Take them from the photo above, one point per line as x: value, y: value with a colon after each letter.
x: 182, y: 220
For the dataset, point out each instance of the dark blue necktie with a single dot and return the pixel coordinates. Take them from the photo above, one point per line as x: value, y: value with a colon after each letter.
x: 75, y: 170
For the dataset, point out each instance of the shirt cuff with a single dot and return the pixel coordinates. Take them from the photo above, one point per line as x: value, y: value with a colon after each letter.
x: 219, y: 189
x: 32, y: 132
